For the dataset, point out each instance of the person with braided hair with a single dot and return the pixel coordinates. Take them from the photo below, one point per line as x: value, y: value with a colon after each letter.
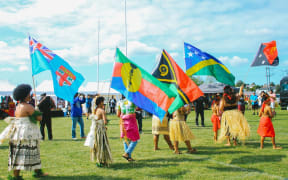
x: 266, y: 128
x: 233, y: 122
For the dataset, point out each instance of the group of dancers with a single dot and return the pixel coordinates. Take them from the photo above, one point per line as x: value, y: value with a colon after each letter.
x: 24, y: 135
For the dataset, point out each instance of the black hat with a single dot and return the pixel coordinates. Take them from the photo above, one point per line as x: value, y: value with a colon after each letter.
x: 43, y: 94
x: 21, y: 92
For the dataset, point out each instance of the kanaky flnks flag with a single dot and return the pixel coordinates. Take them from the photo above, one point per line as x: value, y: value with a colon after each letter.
x: 66, y: 81
x: 202, y: 63
x: 168, y: 72
x: 140, y: 87
x: 266, y: 55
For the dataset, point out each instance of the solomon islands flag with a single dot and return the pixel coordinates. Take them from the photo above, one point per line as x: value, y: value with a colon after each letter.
x: 266, y: 55
x: 66, y: 81
x: 168, y: 72
x: 140, y: 87
x: 202, y: 63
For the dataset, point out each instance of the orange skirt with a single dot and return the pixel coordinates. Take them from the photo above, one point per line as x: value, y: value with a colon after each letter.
x: 266, y: 128
x: 216, y: 122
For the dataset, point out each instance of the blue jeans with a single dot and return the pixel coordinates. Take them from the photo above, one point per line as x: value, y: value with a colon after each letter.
x: 129, y: 149
x: 74, y: 124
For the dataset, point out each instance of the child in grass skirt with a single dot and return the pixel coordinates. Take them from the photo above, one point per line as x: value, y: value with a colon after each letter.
x: 180, y: 131
x: 97, y: 138
x: 24, y: 136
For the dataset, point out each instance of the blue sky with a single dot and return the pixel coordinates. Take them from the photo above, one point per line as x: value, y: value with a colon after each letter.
x: 229, y: 30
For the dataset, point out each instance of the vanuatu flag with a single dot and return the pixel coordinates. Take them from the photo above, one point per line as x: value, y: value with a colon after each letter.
x: 167, y: 71
x: 202, y: 63
x: 140, y: 87
x: 266, y: 55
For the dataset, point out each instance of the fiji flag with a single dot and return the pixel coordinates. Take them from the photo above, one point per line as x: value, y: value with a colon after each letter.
x: 66, y: 81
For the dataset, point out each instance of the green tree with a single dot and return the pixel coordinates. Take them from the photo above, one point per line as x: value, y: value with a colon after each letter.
x: 277, y: 89
x: 197, y: 80
x: 239, y: 83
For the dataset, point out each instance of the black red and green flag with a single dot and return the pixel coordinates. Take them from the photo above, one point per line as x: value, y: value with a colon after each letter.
x: 266, y: 55
x: 140, y: 87
x: 168, y: 72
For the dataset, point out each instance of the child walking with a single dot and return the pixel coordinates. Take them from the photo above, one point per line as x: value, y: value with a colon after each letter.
x: 215, y: 118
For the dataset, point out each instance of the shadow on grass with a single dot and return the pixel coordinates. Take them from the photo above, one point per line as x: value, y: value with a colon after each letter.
x: 235, y: 169
x: 65, y: 140
x: 3, y: 147
x: 175, y: 159
x: 220, y: 152
x: 83, y: 177
x: 258, y: 159
x: 139, y: 164
x: 267, y: 144
x: 168, y: 175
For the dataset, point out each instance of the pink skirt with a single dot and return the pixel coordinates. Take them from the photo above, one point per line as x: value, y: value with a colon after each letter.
x: 130, y: 129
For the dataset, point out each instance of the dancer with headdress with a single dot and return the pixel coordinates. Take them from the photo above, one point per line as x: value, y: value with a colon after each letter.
x: 180, y: 131
x: 233, y: 122
x: 97, y: 138
x: 24, y: 135
x: 266, y: 128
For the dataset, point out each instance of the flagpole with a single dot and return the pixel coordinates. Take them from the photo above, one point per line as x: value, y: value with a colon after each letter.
x: 126, y: 29
x: 98, y: 54
x: 34, y: 91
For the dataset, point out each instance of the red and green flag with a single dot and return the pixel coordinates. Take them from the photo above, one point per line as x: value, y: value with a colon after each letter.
x: 140, y: 87
x: 168, y: 72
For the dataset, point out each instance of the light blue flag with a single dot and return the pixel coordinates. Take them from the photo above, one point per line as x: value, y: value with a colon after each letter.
x: 66, y: 81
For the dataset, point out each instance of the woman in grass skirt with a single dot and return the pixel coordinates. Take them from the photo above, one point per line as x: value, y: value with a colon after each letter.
x: 180, y: 131
x: 24, y: 136
x: 97, y: 138
x: 266, y: 128
x: 233, y: 122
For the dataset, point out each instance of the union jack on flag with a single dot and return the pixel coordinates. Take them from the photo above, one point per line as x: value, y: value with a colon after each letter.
x: 35, y: 45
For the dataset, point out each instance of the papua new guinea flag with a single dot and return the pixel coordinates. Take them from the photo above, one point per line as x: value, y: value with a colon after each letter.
x: 168, y: 72
x: 66, y: 81
x: 266, y: 55
x: 140, y: 87
x: 202, y: 63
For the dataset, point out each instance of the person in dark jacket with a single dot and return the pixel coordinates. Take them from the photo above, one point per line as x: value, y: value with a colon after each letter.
x: 76, y: 115
x: 45, y: 105
x: 199, y: 109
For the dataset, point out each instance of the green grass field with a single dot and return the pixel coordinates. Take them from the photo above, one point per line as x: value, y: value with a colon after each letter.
x: 64, y: 159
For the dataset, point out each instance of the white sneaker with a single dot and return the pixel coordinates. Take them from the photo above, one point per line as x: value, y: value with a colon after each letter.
x: 74, y: 138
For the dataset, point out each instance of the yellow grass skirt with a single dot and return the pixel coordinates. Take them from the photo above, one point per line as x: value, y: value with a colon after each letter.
x: 158, y: 127
x: 233, y: 123
x: 180, y: 131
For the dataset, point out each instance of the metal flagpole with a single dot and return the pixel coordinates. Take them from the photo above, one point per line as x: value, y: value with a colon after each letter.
x: 98, y: 55
x: 34, y: 91
x: 126, y: 29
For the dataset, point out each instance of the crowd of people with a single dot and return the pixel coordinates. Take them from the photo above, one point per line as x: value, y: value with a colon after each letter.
x: 227, y: 115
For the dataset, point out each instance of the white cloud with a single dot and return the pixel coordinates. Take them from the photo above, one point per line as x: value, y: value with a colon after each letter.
x: 285, y: 63
x: 6, y: 70
x: 6, y: 85
x: 16, y: 55
x: 23, y: 68
x: 234, y: 61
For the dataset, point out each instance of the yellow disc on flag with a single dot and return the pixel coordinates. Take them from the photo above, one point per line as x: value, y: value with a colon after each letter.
x: 131, y: 77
